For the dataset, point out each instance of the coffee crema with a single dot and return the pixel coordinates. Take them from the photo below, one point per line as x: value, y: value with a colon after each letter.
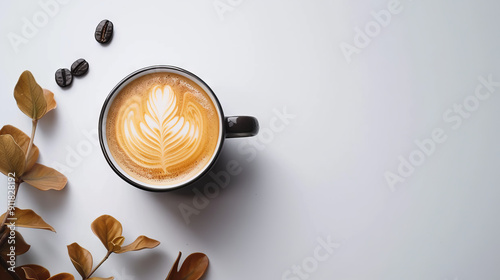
x: 162, y: 129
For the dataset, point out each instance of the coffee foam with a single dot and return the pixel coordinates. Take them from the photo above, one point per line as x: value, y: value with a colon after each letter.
x: 162, y: 129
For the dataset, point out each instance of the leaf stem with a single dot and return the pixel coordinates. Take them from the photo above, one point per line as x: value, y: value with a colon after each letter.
x: 4, y: 233
x: 103, y: 260
x: 32, y: 138
x: 3, y: 226
x: 5, y: 266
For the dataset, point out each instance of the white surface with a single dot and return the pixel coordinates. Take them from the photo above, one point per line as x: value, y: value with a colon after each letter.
x: 320, y: 175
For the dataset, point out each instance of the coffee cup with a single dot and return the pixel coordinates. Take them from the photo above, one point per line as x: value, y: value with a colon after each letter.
x: 162, y: 128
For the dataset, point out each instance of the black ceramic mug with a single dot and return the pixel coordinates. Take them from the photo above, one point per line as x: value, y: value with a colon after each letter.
x: 227, y: 127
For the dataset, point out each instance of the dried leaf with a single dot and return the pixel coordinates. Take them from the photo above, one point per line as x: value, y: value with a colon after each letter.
x: 35, y: 272
x: 12, y: 158
x: 107, y: 229
x: 193, y: 268
x: 45, y: 178
x: 4, y: 275
x: 99, y: 278
x: 20, y: 246
x: 49, y: 99
x: 142, y: 242
x: 29, y: 273
x: 62, y: 276
x: 28, y: 218
x: 29, y: 96
x: 81, y: 259
x: 117, y: 243
x: 23, y: 141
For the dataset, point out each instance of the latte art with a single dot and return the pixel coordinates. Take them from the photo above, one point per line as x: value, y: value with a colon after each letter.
x: 162, y: 133
x: 162, y: 128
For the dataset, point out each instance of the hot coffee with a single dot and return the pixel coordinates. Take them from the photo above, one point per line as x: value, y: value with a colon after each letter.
x: 162, y: 128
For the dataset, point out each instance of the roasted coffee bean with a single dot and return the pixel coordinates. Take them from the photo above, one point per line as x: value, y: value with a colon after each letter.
x: 79, y: 67
x: 64, y: 77
x: 104, y: 31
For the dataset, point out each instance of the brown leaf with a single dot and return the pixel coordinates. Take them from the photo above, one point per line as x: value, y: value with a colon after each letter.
x: 99, y: 278
x: 35, y: 272
x: 4, y: 275
x: 23, y: 141
x: 107, y: 229
x: 117, y: 243
x: 81, y: 259
x: 193, y: 268
x: 45, y: 178
x: 29, y: 273
x: 142, y: 242
x: 62, y: 276
x: 12, y: 158
x: 29, y: 219
x: 20, y: 246
x: 29, y: 96
x: 49, y: 99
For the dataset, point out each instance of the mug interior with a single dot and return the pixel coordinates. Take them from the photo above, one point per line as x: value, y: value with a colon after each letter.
x: 103, y: 122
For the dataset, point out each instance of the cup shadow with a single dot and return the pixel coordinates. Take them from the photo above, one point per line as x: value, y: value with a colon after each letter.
x: 204, y: 206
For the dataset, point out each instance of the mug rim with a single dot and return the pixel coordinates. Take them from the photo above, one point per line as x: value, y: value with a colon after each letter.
x: 103, y: 117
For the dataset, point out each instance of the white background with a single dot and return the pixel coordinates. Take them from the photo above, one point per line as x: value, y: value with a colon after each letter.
x: 321, y: 175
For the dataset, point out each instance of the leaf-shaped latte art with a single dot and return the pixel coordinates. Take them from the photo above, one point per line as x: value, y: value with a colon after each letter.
x: 160, y: 132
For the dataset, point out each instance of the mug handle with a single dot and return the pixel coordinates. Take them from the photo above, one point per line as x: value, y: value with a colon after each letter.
x: 241, y: 126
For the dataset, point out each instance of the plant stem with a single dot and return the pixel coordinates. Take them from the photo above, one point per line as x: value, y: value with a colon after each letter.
x: 18, y: 182
x: 103, y: 260
x: 32, y: 138
x: 12, y: 274
x: 3, y: 226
